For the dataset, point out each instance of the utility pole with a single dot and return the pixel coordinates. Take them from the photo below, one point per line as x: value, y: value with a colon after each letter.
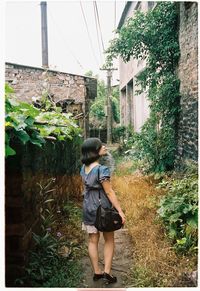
x: 45, y: 62
x: 109, y: 106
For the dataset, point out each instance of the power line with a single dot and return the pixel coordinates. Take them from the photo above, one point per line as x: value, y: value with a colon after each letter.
x: 115, y: 14
x: 100, y: 52
x: 88, y: 33
x: 66, y: 44
x: 99, y: 25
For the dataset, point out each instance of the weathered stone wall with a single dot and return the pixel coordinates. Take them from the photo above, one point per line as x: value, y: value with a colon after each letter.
x: 32, y: 165
x: 30, y: 83
x: 188, y: 75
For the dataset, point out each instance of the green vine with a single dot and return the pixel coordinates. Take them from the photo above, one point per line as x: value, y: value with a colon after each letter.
x: 153, y: 37
x: 26, y: 123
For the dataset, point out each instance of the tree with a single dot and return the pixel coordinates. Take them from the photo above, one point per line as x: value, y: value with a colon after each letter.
x: 97, y: 108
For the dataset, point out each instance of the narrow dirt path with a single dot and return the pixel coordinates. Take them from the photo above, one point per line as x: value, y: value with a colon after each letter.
x: 121, y: 262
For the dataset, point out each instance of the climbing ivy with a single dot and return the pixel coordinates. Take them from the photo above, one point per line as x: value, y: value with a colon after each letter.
x: 27, y: 123
x: 153, y: 37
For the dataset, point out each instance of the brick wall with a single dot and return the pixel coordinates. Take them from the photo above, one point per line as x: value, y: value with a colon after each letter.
x: 188, y: 74
x: 30, y: 166
x: 30, y: 82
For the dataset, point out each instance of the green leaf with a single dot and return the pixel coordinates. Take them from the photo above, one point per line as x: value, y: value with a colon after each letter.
x: 37, y: 141
x: 13, y: 102
x: 10, y: 151
x: 172, y: 233
x: 7, y: 138
x: 23, y: 136
x: 8, y: 89
x: 193, y: 221
x: 30, y: 121
x: 28, y: 109
x: 181, y: 241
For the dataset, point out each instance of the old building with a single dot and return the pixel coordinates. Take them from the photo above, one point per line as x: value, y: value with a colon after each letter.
x: 72, y: 92
x: 135, y: 108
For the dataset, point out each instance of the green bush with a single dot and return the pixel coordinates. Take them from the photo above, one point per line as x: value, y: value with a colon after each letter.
x: 179, y: 212
x: 119, y: 133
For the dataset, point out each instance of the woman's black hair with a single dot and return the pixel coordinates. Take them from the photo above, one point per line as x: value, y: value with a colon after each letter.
x: 90, y: 150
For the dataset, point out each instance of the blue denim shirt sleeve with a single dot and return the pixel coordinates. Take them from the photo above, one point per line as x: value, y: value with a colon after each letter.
x: 104, y: 173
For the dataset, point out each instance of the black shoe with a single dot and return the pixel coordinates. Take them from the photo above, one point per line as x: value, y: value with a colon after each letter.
x: 96, y: 277
x: 108, y: 279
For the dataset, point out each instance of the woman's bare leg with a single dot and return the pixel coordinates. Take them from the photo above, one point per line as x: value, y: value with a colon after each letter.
x: 93, y: 251
x: 108, y: 250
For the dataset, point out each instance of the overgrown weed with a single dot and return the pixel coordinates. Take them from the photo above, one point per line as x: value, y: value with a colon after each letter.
x: 54, y: 260
x: 155, y: 262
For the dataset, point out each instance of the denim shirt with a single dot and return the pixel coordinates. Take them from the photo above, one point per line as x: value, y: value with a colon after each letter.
x: 92, y: 190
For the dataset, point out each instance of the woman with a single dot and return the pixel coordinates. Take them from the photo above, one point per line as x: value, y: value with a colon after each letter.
x: 96, y: 178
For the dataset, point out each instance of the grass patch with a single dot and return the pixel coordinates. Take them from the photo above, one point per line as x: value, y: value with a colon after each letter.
x: 68, y: 274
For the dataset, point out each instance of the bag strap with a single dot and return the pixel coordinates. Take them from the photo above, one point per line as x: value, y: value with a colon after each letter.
x: 99, y: 189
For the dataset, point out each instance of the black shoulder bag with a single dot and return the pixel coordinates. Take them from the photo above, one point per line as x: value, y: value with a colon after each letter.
x: 107, y: 219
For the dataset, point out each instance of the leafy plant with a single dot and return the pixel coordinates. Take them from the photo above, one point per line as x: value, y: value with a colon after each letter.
x: 153, y: 37
x: 179, y: 212
x: 47, y: 268
x: 26, y: 123
x: 42, y: 258
x: 97, y: 109
x: 119, y: 133
x: 48, y: 263
x: 46, y: 205
x: 115, y: 103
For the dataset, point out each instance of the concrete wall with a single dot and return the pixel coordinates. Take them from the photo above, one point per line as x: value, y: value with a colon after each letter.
x: 134, y: 109
x: 30, y: 83
x: 188, y: 75
x: 32, y: 165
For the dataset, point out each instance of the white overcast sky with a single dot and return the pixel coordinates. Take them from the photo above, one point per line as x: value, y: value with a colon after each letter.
x: 68, y: 41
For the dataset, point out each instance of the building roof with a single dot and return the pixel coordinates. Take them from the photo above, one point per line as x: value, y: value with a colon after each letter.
x: 124, y: 13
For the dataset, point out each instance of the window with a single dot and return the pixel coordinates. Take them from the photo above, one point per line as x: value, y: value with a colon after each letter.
x: 129, y: 111
x: 150, y: 4
x: 123, y: 106
x: 138, y: 5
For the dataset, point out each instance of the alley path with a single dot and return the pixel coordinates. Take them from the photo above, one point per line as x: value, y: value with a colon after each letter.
x: 143, y: 255
x: 121, y: 262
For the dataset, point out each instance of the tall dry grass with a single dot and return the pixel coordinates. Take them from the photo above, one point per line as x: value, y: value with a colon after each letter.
x: 155, y: 262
